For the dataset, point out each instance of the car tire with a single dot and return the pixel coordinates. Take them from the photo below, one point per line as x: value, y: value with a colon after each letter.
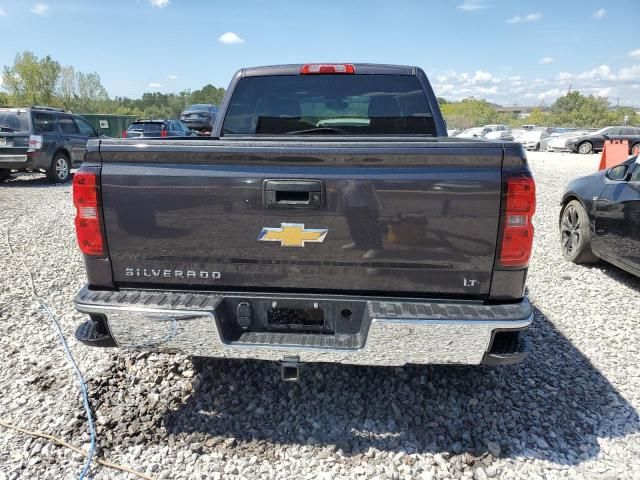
x: 635, y: 150
x: 60, y: 170
x: 575, y: 234
x: 585, y: 148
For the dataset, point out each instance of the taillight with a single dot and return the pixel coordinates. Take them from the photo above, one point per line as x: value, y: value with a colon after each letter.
x: 163, y: 133
x: 85, y: 199
x: 124, y: 134
x: 517, y: 233
x: 317, y: 68
x: 35, y: 143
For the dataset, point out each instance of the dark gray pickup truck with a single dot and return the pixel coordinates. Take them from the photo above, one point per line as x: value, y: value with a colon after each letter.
x: 327, y: 219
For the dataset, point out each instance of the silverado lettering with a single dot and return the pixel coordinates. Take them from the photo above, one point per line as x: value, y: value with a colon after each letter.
x: 146, y: 272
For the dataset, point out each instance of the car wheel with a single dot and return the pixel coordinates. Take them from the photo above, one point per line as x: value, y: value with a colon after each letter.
x: 575, y: 234
x: 585, y: 148
x: 60, y: 170
x: 635, y: 150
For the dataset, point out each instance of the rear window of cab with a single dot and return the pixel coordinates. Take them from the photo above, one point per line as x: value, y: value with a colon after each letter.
x: 333, y: 104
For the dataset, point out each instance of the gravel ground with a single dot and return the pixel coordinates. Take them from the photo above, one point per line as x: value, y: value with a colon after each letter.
x: 569, y: 411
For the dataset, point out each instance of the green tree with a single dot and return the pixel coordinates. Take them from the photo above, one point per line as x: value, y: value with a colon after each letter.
x: 208, y: 94
x: 469, y: 112
x: 537, y: 117
x: 577, y: 110
x: 31, y: 80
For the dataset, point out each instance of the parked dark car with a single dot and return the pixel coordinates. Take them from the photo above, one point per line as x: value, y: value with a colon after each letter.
x: 600, y: 217
x: 42, y: 139
x: 157, y: 128
x: 200, y: 116
x: 594, y: 142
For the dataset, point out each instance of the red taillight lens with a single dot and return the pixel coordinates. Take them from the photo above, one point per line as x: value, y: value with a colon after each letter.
x: 124, y: 134
x: 517, y: 234
x: 317, y: 68
x: 85, y: 199
x: 35, y: 143
x: 163, y: 133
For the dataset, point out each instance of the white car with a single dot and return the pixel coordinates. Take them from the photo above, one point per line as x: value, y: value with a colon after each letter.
x: 475, y: 132
x: 532, y: 139
x: 502, y: 135
x: 496, y: 128
x: 558, y: 142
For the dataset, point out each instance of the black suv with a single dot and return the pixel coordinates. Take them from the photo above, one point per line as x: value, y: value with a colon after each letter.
x: 42, y: 139
x: 157, y: 128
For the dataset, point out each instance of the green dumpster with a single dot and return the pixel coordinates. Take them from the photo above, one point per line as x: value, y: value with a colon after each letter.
x: 111, y: 125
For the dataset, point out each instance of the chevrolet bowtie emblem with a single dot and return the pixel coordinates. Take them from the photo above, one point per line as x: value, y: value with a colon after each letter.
x: 292, y: 234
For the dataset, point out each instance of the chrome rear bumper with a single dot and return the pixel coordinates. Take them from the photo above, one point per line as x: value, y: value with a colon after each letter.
x: 394, y: 333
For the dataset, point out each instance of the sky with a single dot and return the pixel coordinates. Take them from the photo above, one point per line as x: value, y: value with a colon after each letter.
x: 511, y: 52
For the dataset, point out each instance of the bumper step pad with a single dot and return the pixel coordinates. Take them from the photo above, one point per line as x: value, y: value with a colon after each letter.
x: 94, y: 334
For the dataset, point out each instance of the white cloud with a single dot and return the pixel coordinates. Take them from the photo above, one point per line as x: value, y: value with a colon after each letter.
x: 507, y: 89
x: 159, y: 3
x: 635, y: 53
x: 39, y: 9
x: 629, y: 74
x: 488, y: 90
x: 173, y: 77
x: 155, y: 85
x: 599, y: 14
x: 531, y: 17
x: 603, y: 72
x: 602, y: 92
x: 230, y: 38
x: 483, y: 78
x: 471, y: 5
x: 564, y: 76
x: 548, y: 94
x: 547, y: 60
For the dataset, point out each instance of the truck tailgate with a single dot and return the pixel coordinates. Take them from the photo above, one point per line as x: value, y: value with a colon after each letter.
x: 407, y: 218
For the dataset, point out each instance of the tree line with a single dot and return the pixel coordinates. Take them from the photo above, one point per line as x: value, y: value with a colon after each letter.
x: 571, y: 110
x: 43, y: 81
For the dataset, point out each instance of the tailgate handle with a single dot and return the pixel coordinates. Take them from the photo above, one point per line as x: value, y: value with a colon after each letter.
x: 293, y: 194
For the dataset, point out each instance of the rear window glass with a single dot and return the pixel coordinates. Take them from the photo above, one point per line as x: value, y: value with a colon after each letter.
x: 200, y: 107
x: 14, y: 121
x: 335, y: 104
x: 146, y: 127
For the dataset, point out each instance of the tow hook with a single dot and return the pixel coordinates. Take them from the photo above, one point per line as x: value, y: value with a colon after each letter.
x: 290, y: 369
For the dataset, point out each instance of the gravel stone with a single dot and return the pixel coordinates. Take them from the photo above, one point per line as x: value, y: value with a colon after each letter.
x: 568, y: 412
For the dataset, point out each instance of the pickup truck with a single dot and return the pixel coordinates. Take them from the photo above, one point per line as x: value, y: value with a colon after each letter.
x: 328, y: 219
